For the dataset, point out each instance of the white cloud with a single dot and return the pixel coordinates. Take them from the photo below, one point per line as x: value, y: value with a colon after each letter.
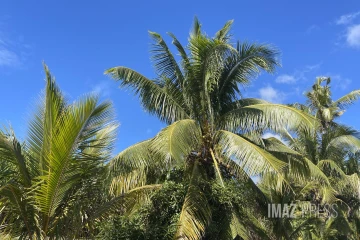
x: 353, y: 36
x: 311, y: 29
x: 340, y: 82
x: 14, y: 50
x: 347, y: 18
x: 297, y: 75
x: 301, y: 74
x: 312, y: 67
x: 103, y: 89
x: 285, y: 78
x: 8, y: 58
x: 271, y: 94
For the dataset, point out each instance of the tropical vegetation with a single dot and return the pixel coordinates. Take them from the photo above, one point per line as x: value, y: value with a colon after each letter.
x: 209, y: 174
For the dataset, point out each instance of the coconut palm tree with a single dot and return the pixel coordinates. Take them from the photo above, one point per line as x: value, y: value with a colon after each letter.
x: 320, y: 102
x: 334, y: 148
x: 53, y: 181
x: 330, y: 151
x: 213, y: 132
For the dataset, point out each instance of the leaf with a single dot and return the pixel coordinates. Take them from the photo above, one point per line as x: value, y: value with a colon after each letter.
x: 153, y: 97
x: 164, y: 61
x: 223, y: 34
x: 275, y: 117
x: 248, y: 156
x: 177, y: 141
x: 41, y: 127
x: 243, y: 65
x: 346, y: 141
x: 63, y: 169
x: 347, y: 100
x: 123, y: 202
x: 195, y: 214
x: 11, y: 150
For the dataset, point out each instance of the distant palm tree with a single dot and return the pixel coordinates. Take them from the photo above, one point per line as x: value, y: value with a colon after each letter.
x: 331, y: 149
x: 213, y: 132
x: 52, y: 182
x: 328, y: 151
x: 320, y: 102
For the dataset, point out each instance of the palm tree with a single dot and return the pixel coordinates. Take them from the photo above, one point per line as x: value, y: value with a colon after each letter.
x: 329, y: 150
x: 52, y: 182
x: 320, y: 102
x: 213, y: 132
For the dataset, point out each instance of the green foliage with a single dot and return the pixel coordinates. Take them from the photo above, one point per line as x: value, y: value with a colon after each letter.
x: 52, y: 182
x: 213, y: 133
x: 194, y: 179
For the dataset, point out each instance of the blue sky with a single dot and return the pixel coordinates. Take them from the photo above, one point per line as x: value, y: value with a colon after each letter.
x: 81, y: 39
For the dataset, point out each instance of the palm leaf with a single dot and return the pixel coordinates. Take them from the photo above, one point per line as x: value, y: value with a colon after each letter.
x: 177, y: 141
x: 347, y: 100
x: 223, y: 34
x: 275, y: 117
x: 346, y: 141
x: 128, y: 168
x: 247, y: 155
x: 124, y: 202
x: 164, y: 61
x: 195, y: 214
x: 61, y: 159
x: 244, y: 65
x: 11, y: 150
x: 153, y: 97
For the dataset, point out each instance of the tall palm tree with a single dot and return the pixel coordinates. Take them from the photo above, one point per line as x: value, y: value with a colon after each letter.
x: 332, y: 149
x: 320, y: 102
x: 329, y: 150
x: 213, y: 132
x: 52, y: 182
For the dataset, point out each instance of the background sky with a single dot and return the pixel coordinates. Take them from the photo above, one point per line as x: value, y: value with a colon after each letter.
x: 79, y: 40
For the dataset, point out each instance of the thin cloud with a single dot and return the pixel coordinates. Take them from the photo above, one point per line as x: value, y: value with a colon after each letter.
x: 347, y: 18
x: 8, y: 58
x: 285, y: 78
x: 271, y: 94
x: 102, y: 89
x: 312, y: 28
x: 297, y: 75
x: 353, y: 36
x: 340, y: 81
x: 13, y: 49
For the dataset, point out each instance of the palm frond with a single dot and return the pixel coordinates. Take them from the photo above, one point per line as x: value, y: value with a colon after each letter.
x: 196, y: 30
x: 195, y: 214
x: 134, y: 157
x: 164, y: 61
x: 153, y: 97
x: 347, y: 100
x: 11, y: 150
x: 42, y: 126
x: 349, y: 142
x: 247, y: 155
x: 15, y: 209
x: 244, y: 65
x: 275, y: 117
x: 63, y: 169
x: 182, y: 52
x: 223, y: 34
x: 124, y: 202
x: 128, y: 168
x: 177, y: 141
